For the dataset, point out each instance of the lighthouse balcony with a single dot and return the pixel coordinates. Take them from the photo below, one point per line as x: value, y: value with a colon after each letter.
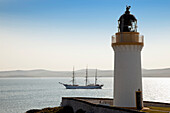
x: 127, y: 38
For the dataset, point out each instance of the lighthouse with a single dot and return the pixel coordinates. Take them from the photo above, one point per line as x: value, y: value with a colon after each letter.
x: 127, y: 44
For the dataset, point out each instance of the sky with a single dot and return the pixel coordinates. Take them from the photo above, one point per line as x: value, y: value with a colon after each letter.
x: 59, y: 34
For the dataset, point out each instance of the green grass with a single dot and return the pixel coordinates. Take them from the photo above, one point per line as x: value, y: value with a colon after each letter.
x: 161, y: 108
x: 157, y: 110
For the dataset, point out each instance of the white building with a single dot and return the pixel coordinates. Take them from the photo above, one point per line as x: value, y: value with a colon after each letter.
x: 127, y: 45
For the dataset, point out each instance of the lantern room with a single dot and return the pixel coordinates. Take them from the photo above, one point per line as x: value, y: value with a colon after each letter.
x: 127, y: 22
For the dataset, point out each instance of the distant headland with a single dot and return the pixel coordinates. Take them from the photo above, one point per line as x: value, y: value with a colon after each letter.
x: 78, y: 73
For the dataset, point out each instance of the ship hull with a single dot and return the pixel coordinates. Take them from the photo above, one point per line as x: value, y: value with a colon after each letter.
x: 83, y: 87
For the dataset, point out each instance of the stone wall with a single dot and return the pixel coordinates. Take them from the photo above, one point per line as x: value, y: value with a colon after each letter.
x: 84, y: 104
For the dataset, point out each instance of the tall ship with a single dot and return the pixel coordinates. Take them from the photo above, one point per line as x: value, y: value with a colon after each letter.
x: 86, y: 86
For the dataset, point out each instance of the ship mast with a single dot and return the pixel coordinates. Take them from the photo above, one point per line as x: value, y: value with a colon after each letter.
x: 86, y: 75
x: 73, y: 77
x: 96, y: 77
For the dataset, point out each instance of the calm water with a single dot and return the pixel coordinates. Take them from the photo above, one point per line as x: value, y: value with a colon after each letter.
x: 18, y: 95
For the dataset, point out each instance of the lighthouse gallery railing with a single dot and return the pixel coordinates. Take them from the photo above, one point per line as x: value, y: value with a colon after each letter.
x: 131, y: 38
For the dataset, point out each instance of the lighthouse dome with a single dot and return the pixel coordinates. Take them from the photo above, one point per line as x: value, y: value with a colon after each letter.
x: 127, y: 17
x: 127, y: 22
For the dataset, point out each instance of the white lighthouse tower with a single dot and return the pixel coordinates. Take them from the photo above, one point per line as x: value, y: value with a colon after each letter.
x: 127, y: 44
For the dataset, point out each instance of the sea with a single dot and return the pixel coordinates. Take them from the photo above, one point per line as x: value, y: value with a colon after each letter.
x: 17, y: 95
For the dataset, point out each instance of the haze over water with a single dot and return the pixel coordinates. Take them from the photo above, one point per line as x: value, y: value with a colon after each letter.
x: 18, y: 95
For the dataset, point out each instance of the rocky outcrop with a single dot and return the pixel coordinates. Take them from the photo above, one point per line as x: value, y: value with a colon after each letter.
x: 66, y: 109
